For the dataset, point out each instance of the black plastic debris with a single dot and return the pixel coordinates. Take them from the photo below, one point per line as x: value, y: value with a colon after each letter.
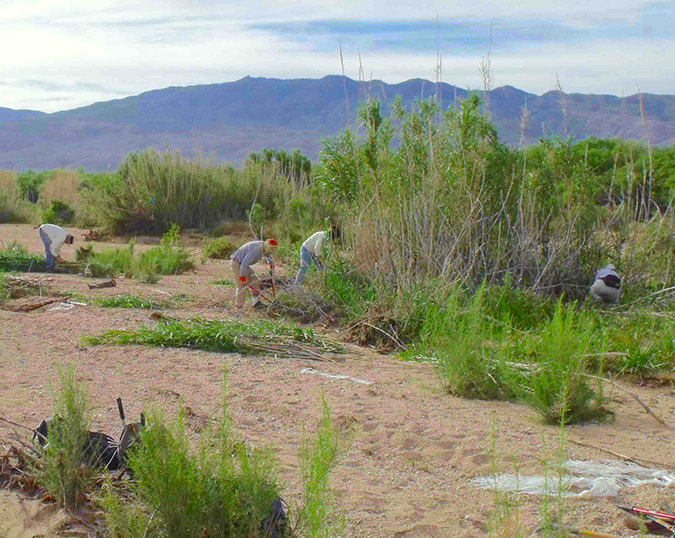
x: 100, y: 450
x: 274, y: 525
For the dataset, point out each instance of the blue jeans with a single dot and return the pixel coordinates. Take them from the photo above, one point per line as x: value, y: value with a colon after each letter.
x: 306, y: 259
x: 49, y: 258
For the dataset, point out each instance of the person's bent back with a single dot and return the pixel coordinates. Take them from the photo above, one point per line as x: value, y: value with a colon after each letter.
x: 53, y: 237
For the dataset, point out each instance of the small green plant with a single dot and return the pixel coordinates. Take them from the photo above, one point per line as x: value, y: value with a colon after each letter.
x: 58, y: 212
x: 219, y: 248
x: 63, y: 471
x: 348, y: 289
x: 130, y: 301
x: 505, y: 517
x: 226, y: 282
x: 318, y: 516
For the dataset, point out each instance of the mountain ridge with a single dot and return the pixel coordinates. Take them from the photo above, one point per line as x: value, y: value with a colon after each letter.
x: 229, y: 120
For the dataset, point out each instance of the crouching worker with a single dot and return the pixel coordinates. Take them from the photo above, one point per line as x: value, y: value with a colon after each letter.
x: 54, y: 237
x: 607, y: 285
x: 242, y: 260
x: 311, y: 252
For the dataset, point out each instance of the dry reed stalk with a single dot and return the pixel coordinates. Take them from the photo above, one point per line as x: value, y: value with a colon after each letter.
x: 63, y: 185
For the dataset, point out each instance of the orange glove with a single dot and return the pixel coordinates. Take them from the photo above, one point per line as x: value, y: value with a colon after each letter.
x: 272, y: 267
x: 242, y: 278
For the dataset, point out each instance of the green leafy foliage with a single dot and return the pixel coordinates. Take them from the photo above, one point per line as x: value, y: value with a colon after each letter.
x: 57, y: 212
x: 219, y: 248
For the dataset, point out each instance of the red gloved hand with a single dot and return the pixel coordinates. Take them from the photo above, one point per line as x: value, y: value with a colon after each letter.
x: 272, y: 267
x: 242, y: 278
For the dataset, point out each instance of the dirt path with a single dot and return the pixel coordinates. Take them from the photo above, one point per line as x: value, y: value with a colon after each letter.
x: 410, y: 449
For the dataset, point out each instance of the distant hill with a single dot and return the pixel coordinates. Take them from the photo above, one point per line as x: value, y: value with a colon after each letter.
x: 9, y: 114
x: 228, y: 121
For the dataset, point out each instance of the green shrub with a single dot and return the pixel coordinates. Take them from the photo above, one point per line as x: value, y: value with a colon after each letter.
x: 63, y: 471
x: 166, y: 260
x: 639, y: 342
x: 560, y: 390
x: 469, y: 364
x: 58, y: 212
x: 15, y: 257
x: 30, y: 182
x: 197, y: 497
x: 169, y: 258
x: 112, y: 261
x: 219, y: 248
x: 348, y: 289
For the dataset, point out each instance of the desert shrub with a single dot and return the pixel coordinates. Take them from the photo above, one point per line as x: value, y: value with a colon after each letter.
x: 348, y: 288
x: 125, y: 516
x: 113, y: 261
x: 223, y: 488
x: 520, y: 308
x: 58, y: 212
x: 560, y: 390
x: 468, y: 363
x: 223, y: 493
x: 63, y: 471
x: 169, y: 258
x: 219, y: 248
x: 15, y: 257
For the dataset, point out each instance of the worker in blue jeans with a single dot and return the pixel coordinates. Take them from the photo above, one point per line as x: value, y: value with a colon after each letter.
x: 53, y: 237
x: 311, y: 252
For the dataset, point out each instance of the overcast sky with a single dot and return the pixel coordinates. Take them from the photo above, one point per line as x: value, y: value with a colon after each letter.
x: 62, y: 55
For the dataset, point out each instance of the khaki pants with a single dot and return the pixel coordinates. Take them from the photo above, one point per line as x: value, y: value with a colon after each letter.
x: 243, y: 289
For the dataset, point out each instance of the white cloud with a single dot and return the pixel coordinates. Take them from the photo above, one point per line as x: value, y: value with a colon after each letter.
x: 87, y: 52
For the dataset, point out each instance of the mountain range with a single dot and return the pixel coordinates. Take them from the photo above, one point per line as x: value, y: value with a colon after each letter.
x: 227, y: 121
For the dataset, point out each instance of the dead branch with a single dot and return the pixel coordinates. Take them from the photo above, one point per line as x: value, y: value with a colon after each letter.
x: 634, y: 396
x: 399, y: 344
x: 638, y: 461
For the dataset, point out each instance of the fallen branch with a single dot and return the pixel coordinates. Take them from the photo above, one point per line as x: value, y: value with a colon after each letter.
x: 634, y: 396
x: 17, y: 425
x: 399, y: 344
x: 107, y: 284
x: 32, y: 306
x: 638, y: 461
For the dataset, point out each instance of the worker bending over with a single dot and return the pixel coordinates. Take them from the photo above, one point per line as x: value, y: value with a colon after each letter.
x: 248, y: 254
x: 53, y: 237
x: 311, y: 252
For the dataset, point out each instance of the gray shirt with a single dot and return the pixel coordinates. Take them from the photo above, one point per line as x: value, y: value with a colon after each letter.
x: 248, y: 254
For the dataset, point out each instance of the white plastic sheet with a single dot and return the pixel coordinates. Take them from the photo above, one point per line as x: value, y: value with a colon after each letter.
x: 580, y: 478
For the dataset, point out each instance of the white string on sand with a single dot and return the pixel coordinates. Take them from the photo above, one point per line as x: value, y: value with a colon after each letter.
x: 335, y: 376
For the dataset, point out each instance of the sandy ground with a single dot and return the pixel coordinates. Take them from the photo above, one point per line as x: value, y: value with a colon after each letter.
x: 409, y: 449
